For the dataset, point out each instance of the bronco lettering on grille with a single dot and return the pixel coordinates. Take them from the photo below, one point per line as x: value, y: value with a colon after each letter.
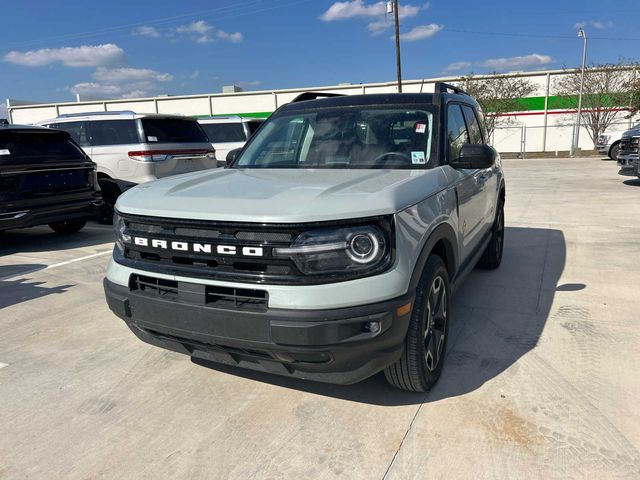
x: 180, y: 246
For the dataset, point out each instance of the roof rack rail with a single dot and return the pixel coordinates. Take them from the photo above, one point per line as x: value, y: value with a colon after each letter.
x: 303, y: 97
x: 442, y: 87
x: 84, y: 114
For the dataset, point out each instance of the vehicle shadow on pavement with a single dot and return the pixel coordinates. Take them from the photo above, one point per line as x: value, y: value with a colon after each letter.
x: 632, y: 182
x: 43, y: 239
x: 16, y: 290
x: 497, y: 317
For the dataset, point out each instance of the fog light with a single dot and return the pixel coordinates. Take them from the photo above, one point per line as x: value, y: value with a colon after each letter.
x: 373, y: 327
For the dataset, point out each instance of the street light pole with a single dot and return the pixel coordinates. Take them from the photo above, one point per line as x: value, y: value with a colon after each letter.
x: 397, y: 24
x: 576, y: 139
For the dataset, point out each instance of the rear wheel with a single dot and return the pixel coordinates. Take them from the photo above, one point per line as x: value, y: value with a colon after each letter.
x: 425, y: 344
x: 110, y: 193
x: 68, y: 226
x: 613, y: 151
x: 492, y: 256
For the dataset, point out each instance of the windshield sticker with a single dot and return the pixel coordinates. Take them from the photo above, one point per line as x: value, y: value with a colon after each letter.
x: 421, y: 127
x: 151, y: 138
x: 4, y: 151
x: 417, y: 158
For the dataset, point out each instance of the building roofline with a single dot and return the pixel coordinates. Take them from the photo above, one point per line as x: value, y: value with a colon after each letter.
x: 447, y: 79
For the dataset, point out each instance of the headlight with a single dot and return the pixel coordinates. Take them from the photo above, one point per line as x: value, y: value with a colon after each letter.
x: 120, y: 228
x: 339, y: 250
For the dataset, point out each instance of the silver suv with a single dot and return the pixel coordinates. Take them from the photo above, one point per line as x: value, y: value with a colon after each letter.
x: 229, y: 133
x: 131, y: 148
x: 328, y: 249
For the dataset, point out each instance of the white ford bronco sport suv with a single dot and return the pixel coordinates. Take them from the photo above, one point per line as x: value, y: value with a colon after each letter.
x: 329, y: 247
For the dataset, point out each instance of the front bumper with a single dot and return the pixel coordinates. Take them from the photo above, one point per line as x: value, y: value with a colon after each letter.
x: 48, y: 210
x: 603, y: 149
x: 335, y: 346
x: 626, y: 163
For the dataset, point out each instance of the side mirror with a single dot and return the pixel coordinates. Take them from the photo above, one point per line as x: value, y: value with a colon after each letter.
x: 232, y: 155
x: 475, y: 156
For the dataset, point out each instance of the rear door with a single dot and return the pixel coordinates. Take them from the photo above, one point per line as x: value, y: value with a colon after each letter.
x: 471, y: 201
x: 176, y: 145
x: 111, y: 141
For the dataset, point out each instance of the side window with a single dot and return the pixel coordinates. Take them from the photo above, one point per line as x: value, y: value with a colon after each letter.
x: 77, y: 130
x: 113, y: 132
x: 472, y: 124
x: 456, y: 130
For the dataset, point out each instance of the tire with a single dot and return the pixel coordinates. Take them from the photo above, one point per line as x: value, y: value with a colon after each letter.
x: 426, y: 342
x: 613, y: 151
x: 68, y: 226
x: 110, y: 193
x: 492, y: 256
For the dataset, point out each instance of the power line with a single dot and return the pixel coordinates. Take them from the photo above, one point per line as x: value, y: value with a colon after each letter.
x: 229, y: 11
x: 533, y: 35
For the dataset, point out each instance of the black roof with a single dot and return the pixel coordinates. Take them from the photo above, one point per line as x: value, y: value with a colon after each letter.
x: 13, y: 126
x: 382, y: 99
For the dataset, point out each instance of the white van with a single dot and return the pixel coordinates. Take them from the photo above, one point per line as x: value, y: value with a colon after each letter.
x: 229, y: 133
x: 131, y: 148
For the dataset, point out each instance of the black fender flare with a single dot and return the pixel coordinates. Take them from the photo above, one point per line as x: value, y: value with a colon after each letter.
x: 444, y: 232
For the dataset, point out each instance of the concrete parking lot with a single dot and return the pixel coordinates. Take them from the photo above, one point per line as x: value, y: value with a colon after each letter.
x: 541, y: 379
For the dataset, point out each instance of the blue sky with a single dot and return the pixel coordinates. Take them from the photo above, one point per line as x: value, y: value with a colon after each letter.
x: 115, y: 48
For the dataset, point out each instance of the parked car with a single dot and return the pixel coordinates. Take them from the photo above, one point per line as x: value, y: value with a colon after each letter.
x: 45, y: 179
x: 628, y: 153
x: 131, y: 148
x: 328, y: 249
x: 229, y: 133
x: 608, y: 143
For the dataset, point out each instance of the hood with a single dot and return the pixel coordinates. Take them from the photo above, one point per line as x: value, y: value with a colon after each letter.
x: 282, y: 195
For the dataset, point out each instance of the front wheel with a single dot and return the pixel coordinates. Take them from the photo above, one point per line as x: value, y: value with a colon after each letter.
x: 68, y: 226
x: 613, y: 152
x: 425, y: 344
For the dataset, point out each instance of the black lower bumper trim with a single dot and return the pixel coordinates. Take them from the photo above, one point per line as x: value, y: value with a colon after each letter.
x: 23, y: 215
x: 343, y: 345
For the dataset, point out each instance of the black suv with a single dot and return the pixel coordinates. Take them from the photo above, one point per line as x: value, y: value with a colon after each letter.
x: 45, y: 178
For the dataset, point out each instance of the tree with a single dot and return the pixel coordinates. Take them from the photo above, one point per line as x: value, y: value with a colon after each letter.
x: 607, y: 88
x: 498, y: 94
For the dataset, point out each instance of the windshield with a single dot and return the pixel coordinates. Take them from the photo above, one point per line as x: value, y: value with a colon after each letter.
x: 173, y: 130
x: 342, y: 138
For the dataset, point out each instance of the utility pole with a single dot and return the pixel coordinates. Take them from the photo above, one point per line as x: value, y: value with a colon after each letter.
x: 397, y: 24
x: 576, y: 139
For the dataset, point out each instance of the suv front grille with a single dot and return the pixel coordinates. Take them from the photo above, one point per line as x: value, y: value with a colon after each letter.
x: 629, y: 145
x: 226, y: 298
x: 246, y: 255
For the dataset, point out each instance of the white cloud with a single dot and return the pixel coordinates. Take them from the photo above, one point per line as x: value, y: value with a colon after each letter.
x: 532, y: 60
x: 193, y: 75
x: 83, y: 56
x: 233, y: 37
x: 597, y: 24
x: 203, y: 32
x: 128, y: 74
x: 128, y: 90
x: 457, y: 66
x: 600, y: 25
x: 374, y: 13
x: 123, y: 82
x: 199, y: 32
x: 147, y: 31
x: 420, y: 32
